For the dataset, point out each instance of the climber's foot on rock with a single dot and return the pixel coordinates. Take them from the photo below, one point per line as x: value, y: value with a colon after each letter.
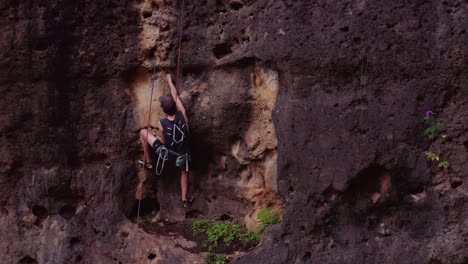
x: 187, y: 203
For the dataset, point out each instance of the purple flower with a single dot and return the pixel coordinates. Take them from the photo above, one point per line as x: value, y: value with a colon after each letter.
x: 429, y: 113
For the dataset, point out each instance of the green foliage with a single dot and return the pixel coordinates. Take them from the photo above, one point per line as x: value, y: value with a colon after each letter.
x: 432, y: 156
x: 228, y: 232
x: 251, y: 235
x: 200, y: 226
x: 443, y: 164
x: 433, y: 131
x: 441, y: 139
x: 222, y: 231
x: 269, y: 217
x: 212, y: 258
x: 291, y: 194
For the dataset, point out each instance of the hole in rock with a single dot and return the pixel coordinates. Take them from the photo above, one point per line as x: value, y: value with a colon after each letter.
x: 40, y: 211
x: 405, y: 184
x: 330, y: 194
x: 152, y: 256
x: 466, y: 144
x: 41, y: 44
x: 306, y: 256
x: 344, y: 29
x: 74, y: 241
x: 456, y: 184
x: 67, y: 211
x: 27, y: 260
x: 236, y: 4
x: 225, y: 217
x: 193, y: 214
x: 124, y: 234
x: 291, y: 193
x: 152, y: 52
x: 79, y: 258
x: 369, y: 183
x: 222, y: 50
x: 147, y: 206
x: 147, y: 14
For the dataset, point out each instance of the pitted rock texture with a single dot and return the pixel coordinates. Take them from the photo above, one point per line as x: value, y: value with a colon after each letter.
x: 67, y: 134
x: 353, y: 80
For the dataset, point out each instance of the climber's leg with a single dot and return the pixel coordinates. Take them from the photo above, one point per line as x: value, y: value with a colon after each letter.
x: 184, y: 184
x: 147, y: 139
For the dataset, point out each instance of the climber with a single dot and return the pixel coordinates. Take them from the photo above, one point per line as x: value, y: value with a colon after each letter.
x: 172, y: 146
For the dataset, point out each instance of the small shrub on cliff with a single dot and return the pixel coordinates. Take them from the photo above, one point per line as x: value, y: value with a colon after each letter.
x: 222, y: 231
x: 200, y: 226
x: 212, y: 258
x: 251, y: 235
x: 269, y: 217
x: 433, y: 132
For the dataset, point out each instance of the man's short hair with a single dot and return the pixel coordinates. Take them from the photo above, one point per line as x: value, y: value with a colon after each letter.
x: 168, y: 105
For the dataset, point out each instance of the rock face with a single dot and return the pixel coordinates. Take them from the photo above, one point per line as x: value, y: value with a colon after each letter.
x: 311, y: 106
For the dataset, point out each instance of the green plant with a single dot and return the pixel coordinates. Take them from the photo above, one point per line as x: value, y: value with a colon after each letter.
x: 443, y: 164
x: 251, y: 235
x: 432, y: 156
x: 200, y: 226
x: 212, y: 258
x: 433, y: 132
x: 222, y: 231
x: 269, y: 217
x: 441, y: 139
x: 226, y: 232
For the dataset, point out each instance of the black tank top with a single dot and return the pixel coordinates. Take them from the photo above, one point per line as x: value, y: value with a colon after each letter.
x: 176, y: 134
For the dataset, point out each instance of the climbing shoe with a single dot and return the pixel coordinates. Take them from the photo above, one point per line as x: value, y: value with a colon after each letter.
x: 145, y: 164
x: 187, y: 203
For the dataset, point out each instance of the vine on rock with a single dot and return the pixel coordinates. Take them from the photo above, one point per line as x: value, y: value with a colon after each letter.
x: 433, y: 132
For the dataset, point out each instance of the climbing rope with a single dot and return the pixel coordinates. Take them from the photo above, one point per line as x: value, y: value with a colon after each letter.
x: 181, y: 26
x: 153, y: 77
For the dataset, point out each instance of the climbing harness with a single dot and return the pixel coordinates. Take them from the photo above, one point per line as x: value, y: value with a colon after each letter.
x: 162, y: 157
x: 164, y: 154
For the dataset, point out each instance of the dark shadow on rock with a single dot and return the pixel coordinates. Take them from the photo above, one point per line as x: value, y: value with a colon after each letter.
x: 27, y: 260
x: 169, y: 194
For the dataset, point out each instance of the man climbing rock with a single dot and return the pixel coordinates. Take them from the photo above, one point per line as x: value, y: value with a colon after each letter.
x: 171, y: 147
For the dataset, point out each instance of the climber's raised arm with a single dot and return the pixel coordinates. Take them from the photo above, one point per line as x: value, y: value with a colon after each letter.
x: 176, y: 98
